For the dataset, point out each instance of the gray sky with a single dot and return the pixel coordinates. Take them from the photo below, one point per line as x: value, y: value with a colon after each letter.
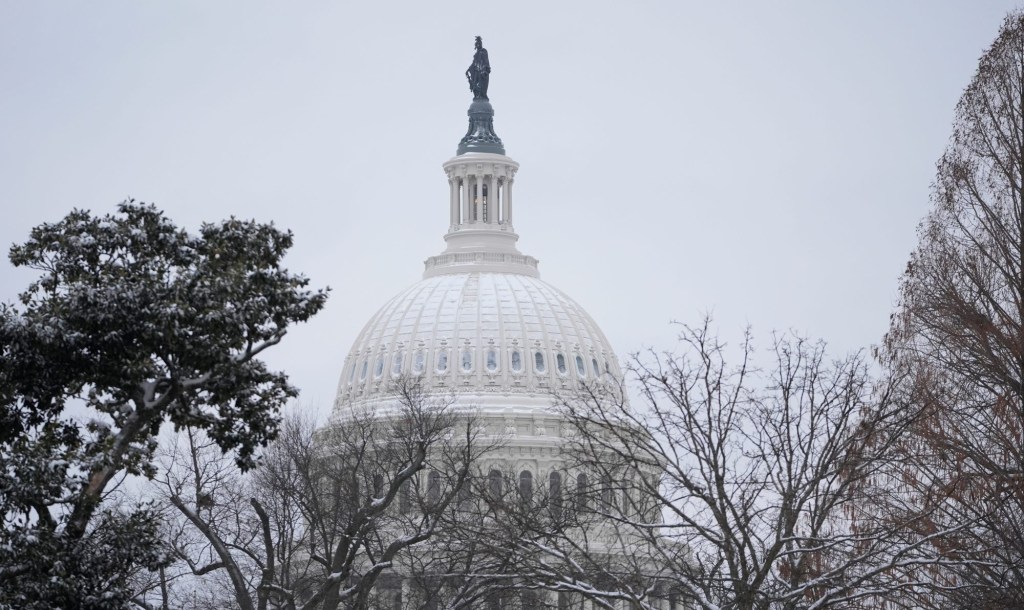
x: 766, y: 161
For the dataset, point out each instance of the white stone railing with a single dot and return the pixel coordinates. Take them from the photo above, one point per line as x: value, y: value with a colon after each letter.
x: 480, y: 258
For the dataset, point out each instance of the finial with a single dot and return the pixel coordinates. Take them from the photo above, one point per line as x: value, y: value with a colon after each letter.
x: 481, y: 136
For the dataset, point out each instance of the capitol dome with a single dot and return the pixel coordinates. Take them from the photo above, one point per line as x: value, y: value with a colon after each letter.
x: 497, y: 349
x: 492, y: 335
x: 481, y: 325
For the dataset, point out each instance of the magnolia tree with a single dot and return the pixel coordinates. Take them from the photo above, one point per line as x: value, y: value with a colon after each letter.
x: 957, y: 339
x: 132, y: 323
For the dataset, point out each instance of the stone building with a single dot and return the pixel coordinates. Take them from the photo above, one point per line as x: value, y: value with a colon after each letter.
x: 482, y: 328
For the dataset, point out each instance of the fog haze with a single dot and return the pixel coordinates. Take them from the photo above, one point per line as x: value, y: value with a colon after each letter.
x: 767, y: 162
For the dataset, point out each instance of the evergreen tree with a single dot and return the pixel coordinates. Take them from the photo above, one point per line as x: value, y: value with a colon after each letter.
x: 133, y: 322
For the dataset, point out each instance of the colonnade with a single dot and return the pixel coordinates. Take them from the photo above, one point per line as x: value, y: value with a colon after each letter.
x: 480, y: 198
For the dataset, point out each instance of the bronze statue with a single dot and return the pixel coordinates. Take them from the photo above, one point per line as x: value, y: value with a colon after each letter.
x: 479, y: 72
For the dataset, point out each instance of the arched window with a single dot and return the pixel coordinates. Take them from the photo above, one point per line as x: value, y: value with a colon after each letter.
x: 378, y: 370
x: 627, y: 506
x: 607, y: 492
x: 580, y: 369
x: 467, y: 360
x: 466, y: 494
x: 582, y: 493
x: 649, y: 499
x: 555, y: 494
x: 362, y: 375
x: 538, y: 361
x: 517, y: 361
x: 378, y: 486
x: 492, y: 360
x: 560, y: 362
x: 434, y: 488
x: 353, y: 492
x: 597, y: 369
x: 526, y: 486
x: 442, y: 361
x: 352, y: 375
x: 494, y: 484
x: 396, y: 364
x: 418, y: 363
x: 405, y: 497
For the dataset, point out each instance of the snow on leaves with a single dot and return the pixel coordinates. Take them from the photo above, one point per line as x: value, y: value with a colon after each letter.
x: 143, y: 323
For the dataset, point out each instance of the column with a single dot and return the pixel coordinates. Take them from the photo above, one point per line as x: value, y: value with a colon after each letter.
x: 453, y: 199
x: 466, y: 199
x: 507, y: 200
x: 478, y: 198
x: 492, y: 199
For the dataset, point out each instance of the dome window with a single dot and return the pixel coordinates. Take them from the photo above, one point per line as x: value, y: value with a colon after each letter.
x: 362, y: 374
x: 352, y: 374
x: 607, y: 492
x: 396, y: 365
x: 555, y: 495
x: 494, y: 484
x: 517, y: 361
x: 582, y: 494
x: 597, y: 369
x: 580, y: 369
x: 560, y: 363
x: 434, y: 488
x: 538, y: 361
x: 405, y: 499
x: 467, y: 360
x: 526, y: 486
x: 378, y: 369
x: 442, y: 361
x: 418, y: 363
x: 492, y: 360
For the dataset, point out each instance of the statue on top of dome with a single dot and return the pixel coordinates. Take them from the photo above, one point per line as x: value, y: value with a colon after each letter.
x: 479, y: 72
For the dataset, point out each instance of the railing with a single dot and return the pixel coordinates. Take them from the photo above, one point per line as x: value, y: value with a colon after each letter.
x: 471, y: 258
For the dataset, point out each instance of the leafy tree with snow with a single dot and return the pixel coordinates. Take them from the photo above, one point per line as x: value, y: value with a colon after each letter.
x: 133, y: 322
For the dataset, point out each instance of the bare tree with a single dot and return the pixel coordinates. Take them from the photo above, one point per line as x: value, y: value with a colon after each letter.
x: 326, y: 520
x: 957, y: 339
x: 728, y: 487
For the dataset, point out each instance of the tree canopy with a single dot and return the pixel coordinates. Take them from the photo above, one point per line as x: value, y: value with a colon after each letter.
x: 957, y: 341
x: 132, y: 322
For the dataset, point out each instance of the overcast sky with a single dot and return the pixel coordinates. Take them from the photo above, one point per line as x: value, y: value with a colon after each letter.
x: 765, y: 161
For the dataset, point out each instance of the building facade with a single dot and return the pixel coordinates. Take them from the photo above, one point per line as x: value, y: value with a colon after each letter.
x: 484, y: 332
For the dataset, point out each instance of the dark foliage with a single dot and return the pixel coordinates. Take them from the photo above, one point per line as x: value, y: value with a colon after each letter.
x: 132, y: 322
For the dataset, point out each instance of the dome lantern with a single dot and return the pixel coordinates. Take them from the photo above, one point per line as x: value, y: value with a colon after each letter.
x: 480, y: 235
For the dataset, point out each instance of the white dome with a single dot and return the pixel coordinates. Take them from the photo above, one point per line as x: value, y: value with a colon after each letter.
x: 495, y: 339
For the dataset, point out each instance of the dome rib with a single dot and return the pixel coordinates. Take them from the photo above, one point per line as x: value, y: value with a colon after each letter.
x: 473, y: 311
